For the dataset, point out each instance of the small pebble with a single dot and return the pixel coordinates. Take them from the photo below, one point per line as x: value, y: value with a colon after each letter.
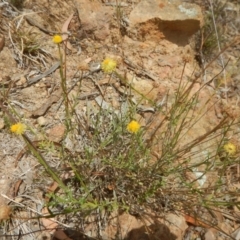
x: 56, y: 133
x: 21, y: 81
x: 42, y: 121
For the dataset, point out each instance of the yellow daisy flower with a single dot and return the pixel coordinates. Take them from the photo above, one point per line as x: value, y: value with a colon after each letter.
x: 57, y: 39
x: 18, y: 128
x: 133, y: 126
x: 230, y: 148
x: 108, y: 65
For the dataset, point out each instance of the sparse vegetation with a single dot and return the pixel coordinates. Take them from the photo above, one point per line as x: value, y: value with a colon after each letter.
x: 120, y: 161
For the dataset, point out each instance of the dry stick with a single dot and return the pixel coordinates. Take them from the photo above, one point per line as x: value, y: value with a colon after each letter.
x: 54, y: 67
x: 17, y: 50
x: 34, y: 23
x: 99, y: 87
x: 32, y: 210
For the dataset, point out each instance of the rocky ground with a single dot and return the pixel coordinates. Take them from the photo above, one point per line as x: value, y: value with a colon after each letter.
x: 156, y: 45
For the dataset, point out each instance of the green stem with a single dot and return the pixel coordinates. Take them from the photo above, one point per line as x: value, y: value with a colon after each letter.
x: 43, y: 162
x: 64, y: 88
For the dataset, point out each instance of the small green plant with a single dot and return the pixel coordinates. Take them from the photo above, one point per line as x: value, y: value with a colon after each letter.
x: 117, y: 170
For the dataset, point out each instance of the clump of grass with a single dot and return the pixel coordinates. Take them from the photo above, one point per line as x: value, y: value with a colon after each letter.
x: 121, y: 165
x: 27, y: 46
x: 116, y: 171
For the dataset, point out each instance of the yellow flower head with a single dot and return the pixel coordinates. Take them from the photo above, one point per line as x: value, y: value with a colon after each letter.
x: 133, y: 126
x: 108, y: 65
x: 57, y: 39
x: 18, y: 128
x: 230, y: 148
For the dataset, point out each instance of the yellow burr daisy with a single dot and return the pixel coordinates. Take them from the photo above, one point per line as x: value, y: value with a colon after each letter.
x: 133, y: 126
x: 18, y: 128
x: 57, y: 39
x: 230, y: 148
x: 108, y: 65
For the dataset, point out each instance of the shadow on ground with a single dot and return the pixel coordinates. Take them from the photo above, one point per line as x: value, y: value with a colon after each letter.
x: 155, y: 231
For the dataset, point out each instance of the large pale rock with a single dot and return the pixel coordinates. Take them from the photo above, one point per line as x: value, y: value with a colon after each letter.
x: 95, y: 19
x: 157, y: 19
x: 177, y: 224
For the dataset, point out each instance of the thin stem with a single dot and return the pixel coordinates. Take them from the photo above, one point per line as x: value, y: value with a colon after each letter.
x: 64, y: 88
x: 43, y: 162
